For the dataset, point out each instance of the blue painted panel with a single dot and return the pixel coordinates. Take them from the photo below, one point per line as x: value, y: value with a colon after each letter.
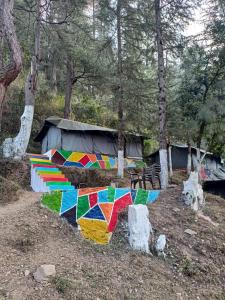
x: 153, y: 195
x: 103, y: 196
x: 95, y: 213
x: 120, y: 192
x: 69, y: 200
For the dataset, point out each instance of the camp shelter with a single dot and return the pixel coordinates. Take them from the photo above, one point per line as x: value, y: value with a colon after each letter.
x: 58, y: 133
x: 179, y: 157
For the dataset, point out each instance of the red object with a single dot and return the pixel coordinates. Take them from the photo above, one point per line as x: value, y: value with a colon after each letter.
x: 43, y: 166
x: 54, y: 179
x: 84, y: 160
x: 102, y: 164
x: 119, y: 205
x: 93, y: 199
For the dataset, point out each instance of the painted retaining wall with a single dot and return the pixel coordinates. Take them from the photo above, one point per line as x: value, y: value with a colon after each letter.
x: 89, y: 161
x: 94, y: 209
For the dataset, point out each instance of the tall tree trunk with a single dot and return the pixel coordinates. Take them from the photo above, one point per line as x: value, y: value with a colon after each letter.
x: 189, y: 159
x: 93, y: 17
x: 10, y: 71
x: 199, y: 141
x: 16, y: 147
x: 54, y: 77
x: 69, y: 89
x: 120, y: 93
x: 162, y: 98
x: 170, y: 160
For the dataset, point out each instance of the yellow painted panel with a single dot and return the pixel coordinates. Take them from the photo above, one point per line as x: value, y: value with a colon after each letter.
x: 75, y: 156
x: 105, y: 158
x: 95, y: 230
x: 39, y: 160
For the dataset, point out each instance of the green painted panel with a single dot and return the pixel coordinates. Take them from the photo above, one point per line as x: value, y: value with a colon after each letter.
x: 95, y: 165
x: 141, y: 197
x: 65, y: 153
x: 107, y: 165
x: 111, y: 194
x: 52, y: 201
x: 58, y: 183
x: 82, y: 206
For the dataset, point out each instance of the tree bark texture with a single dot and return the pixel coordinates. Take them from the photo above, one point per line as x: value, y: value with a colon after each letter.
x: 162, y: 97
x: 69, y: 89
x: 170, y: 160
x: 189, y: 160
x: 121, y: 124
x: 10, y: 71
x: 16, y: 147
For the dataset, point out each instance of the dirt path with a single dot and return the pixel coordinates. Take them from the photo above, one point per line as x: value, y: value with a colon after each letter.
x: 26, y: 200
x: 194, y: 267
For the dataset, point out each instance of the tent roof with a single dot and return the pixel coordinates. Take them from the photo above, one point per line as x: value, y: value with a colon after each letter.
x: 183, y: 146
x: 74, y: 126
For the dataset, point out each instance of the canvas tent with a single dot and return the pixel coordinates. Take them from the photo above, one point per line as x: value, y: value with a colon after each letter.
x: 179, y: 156
x: 58, y: 133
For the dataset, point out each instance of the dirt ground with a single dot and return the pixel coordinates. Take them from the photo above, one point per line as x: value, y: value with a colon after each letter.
x: 194, y: 267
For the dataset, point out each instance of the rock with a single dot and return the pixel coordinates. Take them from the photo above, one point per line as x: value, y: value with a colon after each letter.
x: 44, y: 272
x: 191, y: 232
x: 206, y: 218
x: 26, y: 273
x: 179, y: 296
x: 176, y: 209
x: 139, y: 227
x: 160, y: 244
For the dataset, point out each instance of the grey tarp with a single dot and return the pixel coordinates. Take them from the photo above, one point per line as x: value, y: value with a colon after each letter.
x: 134, y: 148
x: 75, y: 136
x: 77, y: 141
x: 104, y: 144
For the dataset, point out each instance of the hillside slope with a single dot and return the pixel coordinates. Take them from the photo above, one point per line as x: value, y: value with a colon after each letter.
x: 194, y: 267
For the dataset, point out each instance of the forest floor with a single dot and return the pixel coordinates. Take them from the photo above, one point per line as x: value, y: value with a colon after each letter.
x: 194, y: 267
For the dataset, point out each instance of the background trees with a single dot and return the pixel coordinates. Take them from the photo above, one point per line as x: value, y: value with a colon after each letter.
x: 100, y: 62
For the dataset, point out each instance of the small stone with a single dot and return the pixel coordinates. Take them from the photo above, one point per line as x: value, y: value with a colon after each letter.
x: 190, y: 232
x: 179, y: 296
x: 26, y: 273
x: 176, y: 209
x: 44, y: 272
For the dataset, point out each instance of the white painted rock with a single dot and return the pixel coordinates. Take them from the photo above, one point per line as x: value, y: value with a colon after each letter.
x: 44, y: 272
x: 139, y: 227
x: 160, y: 244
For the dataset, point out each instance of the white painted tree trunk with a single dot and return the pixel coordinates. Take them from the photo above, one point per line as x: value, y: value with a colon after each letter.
x: 120, y: 172
x: 16, y: 147
x: 164, y: 168
x: 170, y: 161
x: 189, y: 164
x: 192, y: 194
x: 198, y: 160
x: 139, y: 227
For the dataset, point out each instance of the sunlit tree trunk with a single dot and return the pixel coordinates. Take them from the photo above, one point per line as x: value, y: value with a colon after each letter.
x: 9, y: 71
x: 16, y: 147
x: 162, y: 98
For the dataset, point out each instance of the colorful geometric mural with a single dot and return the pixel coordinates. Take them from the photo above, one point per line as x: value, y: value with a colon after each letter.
x: 95, y: 210
x: 89, y: 161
